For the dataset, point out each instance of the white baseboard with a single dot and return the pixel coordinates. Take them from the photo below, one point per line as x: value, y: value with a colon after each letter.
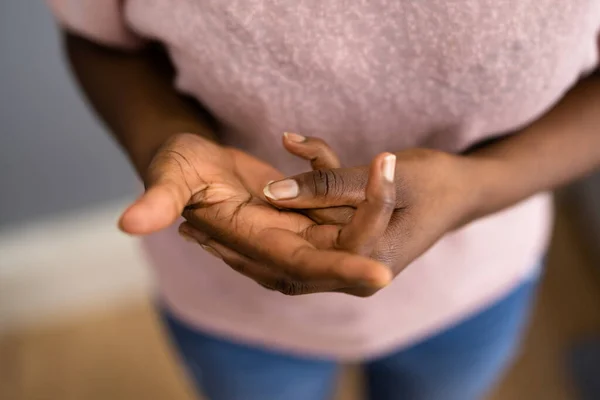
x: 68, y: 264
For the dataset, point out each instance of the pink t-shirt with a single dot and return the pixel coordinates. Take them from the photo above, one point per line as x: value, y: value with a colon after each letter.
x: 367, y: 76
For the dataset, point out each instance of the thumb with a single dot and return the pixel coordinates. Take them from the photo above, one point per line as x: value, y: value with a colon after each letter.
x: 319, y: 189
x: 156, y: 209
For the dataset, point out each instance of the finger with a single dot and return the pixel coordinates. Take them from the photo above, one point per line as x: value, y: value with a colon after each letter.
x: 372, y: 216
x: 321, y: 156
x: 297, y: 266
x: 272, y: 279
x: 192, y: 234
x: 260, y: 273
x: 157, y: 208
x: 244, y: 265
x: 330, y: 216
x: 315, y: 150
x: 319, y: 189
x: 303, y: 262
x: 237, y: 261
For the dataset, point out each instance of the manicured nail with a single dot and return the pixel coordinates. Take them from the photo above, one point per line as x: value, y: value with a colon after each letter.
x: 282, y: 190
x: 294, y: 137
x: 211, y: 251
x: 389, y: 167
x: 187, y: 237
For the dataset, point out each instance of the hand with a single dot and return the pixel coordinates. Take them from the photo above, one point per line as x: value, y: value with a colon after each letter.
x: 219, y: 192
x: 434, y: 195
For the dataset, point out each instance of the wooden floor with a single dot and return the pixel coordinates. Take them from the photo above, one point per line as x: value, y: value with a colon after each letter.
x: 123, y: 355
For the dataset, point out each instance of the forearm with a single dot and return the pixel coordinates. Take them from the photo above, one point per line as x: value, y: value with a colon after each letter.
x: 560, y: 147
x: 134, y: 95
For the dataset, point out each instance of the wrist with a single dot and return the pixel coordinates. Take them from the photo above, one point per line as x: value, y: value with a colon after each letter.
x: 489, y: 185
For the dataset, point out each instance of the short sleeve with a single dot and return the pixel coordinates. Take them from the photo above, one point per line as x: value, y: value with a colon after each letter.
x: 101, y: 21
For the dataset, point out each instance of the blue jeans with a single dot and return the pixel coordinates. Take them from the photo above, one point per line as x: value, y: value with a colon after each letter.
x: 460, y: 363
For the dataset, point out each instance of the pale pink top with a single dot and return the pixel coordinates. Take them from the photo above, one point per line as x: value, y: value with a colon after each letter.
x: 368, y: 76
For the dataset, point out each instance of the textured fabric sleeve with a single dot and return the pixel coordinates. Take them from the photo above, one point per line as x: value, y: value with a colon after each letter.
x: 101, y: 21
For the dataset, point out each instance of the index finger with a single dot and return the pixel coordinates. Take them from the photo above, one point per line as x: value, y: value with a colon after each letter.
x: 315, y: 150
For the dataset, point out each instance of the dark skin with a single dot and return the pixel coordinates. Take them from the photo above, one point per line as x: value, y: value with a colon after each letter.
x: 367, y: 223
x: 218, y: 189
x: 438, y: 192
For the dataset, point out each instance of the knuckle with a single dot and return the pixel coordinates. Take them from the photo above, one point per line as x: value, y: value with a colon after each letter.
x: 288, y: 287
x: 319, y: 182
x: 388, y: 204
x: 386, y: 200
x: 266, y: 286
x: 325, y: 183
x: 385, y: 252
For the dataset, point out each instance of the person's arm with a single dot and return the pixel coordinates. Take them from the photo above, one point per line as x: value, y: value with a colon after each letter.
x: 438, y: 192
x: 558, y: 148
x: 186, y: 173
x: 561, y: 146
x: 134, y: 95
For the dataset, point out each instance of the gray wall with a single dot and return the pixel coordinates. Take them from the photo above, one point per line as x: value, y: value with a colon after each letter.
x: 54, y: 155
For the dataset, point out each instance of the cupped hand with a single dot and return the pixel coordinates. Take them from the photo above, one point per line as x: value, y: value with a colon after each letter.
x: 434, y: 195
x: 219, y: 192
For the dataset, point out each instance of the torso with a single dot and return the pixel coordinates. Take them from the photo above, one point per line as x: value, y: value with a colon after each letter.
x: 373, y: 75
x: 368, y: 76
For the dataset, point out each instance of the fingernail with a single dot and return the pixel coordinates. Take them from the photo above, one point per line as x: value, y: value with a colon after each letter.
x: 187, y: 237
x: 294, y: 137
x: 282, y: 190
x: 389, y: 167
x: 211, y: 251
